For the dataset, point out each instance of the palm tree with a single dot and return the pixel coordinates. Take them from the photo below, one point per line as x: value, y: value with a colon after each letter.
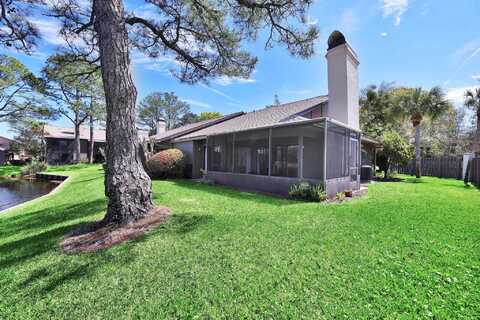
x: 416, y: 104
x: 472, y: 100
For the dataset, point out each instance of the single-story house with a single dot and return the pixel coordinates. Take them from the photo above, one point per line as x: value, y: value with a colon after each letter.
x: 7, y: 154
x: 60, y: 148
x: 316, y: 139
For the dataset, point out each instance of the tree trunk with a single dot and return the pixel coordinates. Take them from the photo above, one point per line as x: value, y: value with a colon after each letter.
x: 418, y: 151
x: 76, y: 142
x: 92, y: 142
x: 127, y: 185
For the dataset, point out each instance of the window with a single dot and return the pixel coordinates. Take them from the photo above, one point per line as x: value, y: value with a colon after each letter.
x: 285, y: 151
x: 220, y: 152
x: 251, y: 152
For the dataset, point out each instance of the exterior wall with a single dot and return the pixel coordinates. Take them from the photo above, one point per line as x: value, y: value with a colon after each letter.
x: 187, y: 149
x: 277, y: 185
x: 343, y: 89
x: 340, y: 185
x: 3, y: 158
x: 368, y: 154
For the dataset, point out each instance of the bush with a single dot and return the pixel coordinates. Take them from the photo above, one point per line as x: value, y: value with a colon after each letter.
x: 340, y: 196
x: 317, y: 193
x: 168, y: 163
x: 34, y: 167
x: 306, y: 192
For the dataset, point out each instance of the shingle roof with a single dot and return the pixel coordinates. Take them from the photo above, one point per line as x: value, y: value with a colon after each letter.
x: 5, y: 143
x: 192, y: 127
x: 54, y: 132
x: 284, y: 113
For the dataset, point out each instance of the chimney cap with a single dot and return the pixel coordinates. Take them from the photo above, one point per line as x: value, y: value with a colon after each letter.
x: 336, y: 39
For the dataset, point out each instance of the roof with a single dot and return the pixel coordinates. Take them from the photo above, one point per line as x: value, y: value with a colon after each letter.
x: 268, y: 117
x: 5, y: 143
x: 53, y: 132
x: 368, y: 139
x: 192, y: 127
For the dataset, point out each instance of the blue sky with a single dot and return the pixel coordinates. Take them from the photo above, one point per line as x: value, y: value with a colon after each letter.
x: 409, y: 42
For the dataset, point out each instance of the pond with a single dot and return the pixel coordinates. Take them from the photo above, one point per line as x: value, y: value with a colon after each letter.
x: 13, y: 191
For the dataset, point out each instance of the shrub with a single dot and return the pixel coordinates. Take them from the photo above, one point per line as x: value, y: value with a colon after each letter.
x: 305, y: 191
x: 168, y: 163
x: 34, y: 167
x: 340, y: 196
x: 317, y: 193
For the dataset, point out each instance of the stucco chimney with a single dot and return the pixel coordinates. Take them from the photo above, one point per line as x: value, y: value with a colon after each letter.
x: 161, y: 126
x: 343, y: 89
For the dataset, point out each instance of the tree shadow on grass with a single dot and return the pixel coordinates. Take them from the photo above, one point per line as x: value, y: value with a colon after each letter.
x: 52, y: 215
x: 68, y: 268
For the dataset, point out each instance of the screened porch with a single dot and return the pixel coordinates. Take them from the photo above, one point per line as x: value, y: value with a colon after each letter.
x: 285, y: 154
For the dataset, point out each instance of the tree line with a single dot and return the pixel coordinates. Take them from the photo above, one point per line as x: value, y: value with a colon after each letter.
x: 397, y: 116
x: 74, y: 91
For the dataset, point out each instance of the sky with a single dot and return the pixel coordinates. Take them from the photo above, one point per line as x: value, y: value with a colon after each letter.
x: 416, y: 43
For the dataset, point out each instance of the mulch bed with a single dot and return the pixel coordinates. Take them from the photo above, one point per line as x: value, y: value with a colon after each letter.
x: 96, y: 236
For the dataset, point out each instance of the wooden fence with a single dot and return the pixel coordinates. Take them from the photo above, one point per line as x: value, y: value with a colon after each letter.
x: 474, y: 174
x: 442, y: 167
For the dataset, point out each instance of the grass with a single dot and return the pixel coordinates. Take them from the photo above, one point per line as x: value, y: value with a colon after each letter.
x: 9, y: 170
x: 407, y: 250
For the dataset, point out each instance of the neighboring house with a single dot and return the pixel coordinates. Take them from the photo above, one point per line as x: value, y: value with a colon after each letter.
x: 60, y: 149
x: 59, y: 144
x: 316, y: 139
x: 7, y: 155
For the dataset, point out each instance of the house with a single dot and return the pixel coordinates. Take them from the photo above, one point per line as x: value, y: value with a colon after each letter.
x: 12, y: 155
x: 316, y: 139
x: 59, y: 144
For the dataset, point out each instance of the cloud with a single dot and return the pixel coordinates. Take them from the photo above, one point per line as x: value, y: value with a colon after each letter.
x: 299, y: 92
x: 383, y: 34
x: 197, y: 103
x: 349, y: 21
x: 463, y: 56
x: 163, y: 64
x: 148, y: 11
x: 476, y: 77
x: 49, y: 30
x: 457, y: 95
x: 218, y: 92
x: 394, y: 8
x: 226, y: 81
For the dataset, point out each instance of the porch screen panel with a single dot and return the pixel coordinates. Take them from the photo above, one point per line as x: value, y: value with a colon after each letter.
x: 337, y: 151
x: 354, y: 155
x: 285, y: 151
x: 220, y: 153
x: 251, y: 152
x: 313, y: 143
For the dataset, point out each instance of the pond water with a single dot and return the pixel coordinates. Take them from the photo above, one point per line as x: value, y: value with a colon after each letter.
x: 13, y: 192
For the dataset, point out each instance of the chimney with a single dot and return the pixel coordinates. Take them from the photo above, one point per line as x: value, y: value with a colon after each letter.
x: 161, y: 126
x: 342, y: 81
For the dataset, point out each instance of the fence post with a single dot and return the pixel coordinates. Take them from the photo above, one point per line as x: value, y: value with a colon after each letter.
x: 466, y: 159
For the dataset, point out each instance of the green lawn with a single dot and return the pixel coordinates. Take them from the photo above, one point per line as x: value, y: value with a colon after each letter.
x: 407, y: 250
x: 9, y: 170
